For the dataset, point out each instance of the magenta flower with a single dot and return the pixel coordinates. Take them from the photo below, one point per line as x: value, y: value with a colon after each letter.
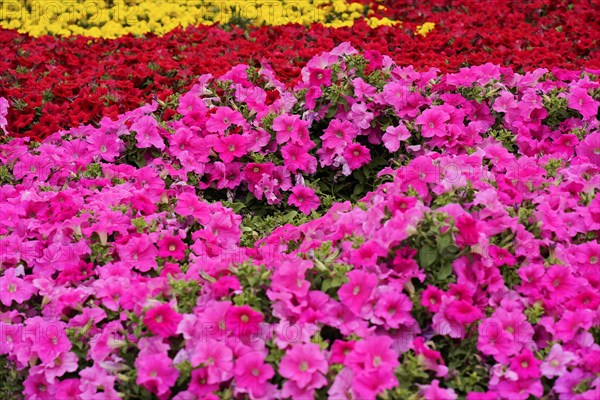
x: 393, y: 309
x: 14, y: 288
x: 338, y: 134
x: 590, y: 148
x: 251, y: 373
x: 319, y: 76
x: 156, y: 373
x: 580, y: 100
x: 435, y: 392
x: 216, y: 357
x: 243, y: 320
x: 433, y: 122
x: 162, y: 320
x: 304, y: 198
x: 297, y: 158
x: 394, y: 135
x: 223, y: 118
x: 171, y: 246
x: 355, y: 293
x: 139, y: 253
x: 357, y: 155
x: 52, y: 339
x: 231, y: 147
x: 302, y: 363
x: 147, y: 133
x: 104, y: 146
x: 526, y: 365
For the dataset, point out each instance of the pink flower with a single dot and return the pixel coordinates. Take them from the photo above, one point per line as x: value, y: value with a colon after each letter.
x: 431, y: 298
x: 216, y: 357
x: 435, y: 392
x: 155, y: 373
x: 147, y: 134
x: 51, y: 340
x: 243, y: 320
x: 302, y: 364
x: 171, y: 246
x: 139, y: 253
x: 319, y: 76
x: 13, y: 288
x: 373, y: 353
x: 290, y: 128
x: 222, y: 119
x: 162, y: 320
x: 432, y: 122
x: 526, y: 365
x: 581, y: 101
x: 63, y: 363
x: 556, y: 361
x: 251, y: 373
x: 357, y: 155
x: 230, y: 147
x: 590, y: 148
x: 297, y: 158
x: 304, y: 198
x: 355, y: 293
x: 105, y: 146
x: 338, y: 134
x: 393, y: 309
x: 394, y: 135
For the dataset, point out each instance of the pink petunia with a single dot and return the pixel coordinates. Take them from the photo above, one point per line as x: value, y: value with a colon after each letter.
x: 526, y: 365
x: 243, y: 320
x: 394, y: 135
x: 580, y: 100
x: 304, y: 198
x: 302, y: 363
x: 357, y: 155
x: 433, y: 122
x: 216, y: 357
x: 171, y: 246
x: 231, y: 147
x: 435, y: 392
x: 590, y: 148
x: 251, y: 373
x: 355, y: 293
x: 156, y: 373
x: 223, y: 118
x: 13, y: 288
x: 162, y: 320
x: 147, y: 133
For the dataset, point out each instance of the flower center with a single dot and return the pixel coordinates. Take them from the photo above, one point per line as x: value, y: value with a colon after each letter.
x: 391, y: 311
x: 376, y: 361
x: 524, y: 364
x: 12, y: 288
x: 226, y: 121
x: 245, y: 318
x: 554, y: 363
x: 103, y: 149
x: 431, y: 125
x: 597, y: 151
x: 159, y: 319
x: 303, y: 366
x: 593, y: 260
x: 255, y: 372
x: 172, y: 247
x: 356, y: 290
x: 210, y: 361
x: 356, y: 153
x: 320, y: 76
x: 231, y: 147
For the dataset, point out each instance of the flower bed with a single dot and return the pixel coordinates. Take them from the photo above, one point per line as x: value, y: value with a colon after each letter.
x: 161, y: 253
x: 62, y: 88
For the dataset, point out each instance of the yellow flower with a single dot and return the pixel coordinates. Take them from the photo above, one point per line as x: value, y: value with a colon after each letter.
x: 424, y: 29
x: 114, y: 18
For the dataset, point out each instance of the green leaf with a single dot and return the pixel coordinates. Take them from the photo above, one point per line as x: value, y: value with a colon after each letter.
x: 427, y: 256
x: 445, y: 270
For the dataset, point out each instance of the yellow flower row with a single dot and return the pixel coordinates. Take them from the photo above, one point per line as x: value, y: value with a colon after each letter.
x: 114, y: 18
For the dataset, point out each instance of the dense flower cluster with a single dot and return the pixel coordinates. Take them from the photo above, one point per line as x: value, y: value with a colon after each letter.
x: 111, y: 19
x: 80, y: 80
x: 471, y: 270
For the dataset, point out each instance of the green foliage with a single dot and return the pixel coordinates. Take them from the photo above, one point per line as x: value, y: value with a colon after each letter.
x: 11, y: 380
